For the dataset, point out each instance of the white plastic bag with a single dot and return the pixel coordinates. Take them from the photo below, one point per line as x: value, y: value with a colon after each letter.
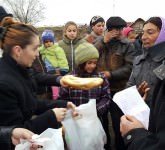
x: 84, y: 132
x: 50, y: 139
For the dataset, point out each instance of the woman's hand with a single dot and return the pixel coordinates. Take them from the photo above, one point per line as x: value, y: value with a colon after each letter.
x: 107, y: 74
x: 72, y: 106
x: 62, y: 82
x: 144, y: 89
x: 127, y: 123
x: 60, y: 113
x: 20, y: 133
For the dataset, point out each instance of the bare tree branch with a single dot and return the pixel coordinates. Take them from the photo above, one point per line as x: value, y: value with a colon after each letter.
x: 26, y: 11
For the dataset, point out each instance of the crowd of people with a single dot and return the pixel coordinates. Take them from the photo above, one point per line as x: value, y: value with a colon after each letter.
x: 110, y: 51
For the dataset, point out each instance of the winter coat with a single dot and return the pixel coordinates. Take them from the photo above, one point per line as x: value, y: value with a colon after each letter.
x: 69, y: 46
x: 153, y: 139
x: 17, y: 98
x: 44, y: 80
x: 144, y: 65
x: 117, y: 58
x: 5, y: 138
x: 55, y: 55
x: 93, y: 38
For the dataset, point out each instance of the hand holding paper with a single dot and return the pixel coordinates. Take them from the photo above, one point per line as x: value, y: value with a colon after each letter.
x: 131, y: 103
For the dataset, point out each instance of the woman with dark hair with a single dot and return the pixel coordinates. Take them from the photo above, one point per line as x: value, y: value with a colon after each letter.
x: 153, y: 41
x: 149, y: 67
x: 18, y: 103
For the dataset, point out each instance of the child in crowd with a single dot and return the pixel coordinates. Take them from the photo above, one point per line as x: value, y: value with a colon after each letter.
x: 129, y: 33
x: 52, y: 55
x: 71, y: 39
x: 134, y: 38
x: 86, y: 56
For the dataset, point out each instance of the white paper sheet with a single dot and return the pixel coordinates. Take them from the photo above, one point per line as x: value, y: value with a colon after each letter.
x: 131, y: 103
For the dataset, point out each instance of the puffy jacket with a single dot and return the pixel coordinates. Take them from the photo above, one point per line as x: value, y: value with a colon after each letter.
x: 69, y: 47
x: 55, y: 55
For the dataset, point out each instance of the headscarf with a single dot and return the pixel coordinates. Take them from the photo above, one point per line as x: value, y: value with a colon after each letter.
x: 161, y: 37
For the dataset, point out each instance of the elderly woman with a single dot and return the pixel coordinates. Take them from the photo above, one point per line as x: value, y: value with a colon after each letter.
x: 149, y: 67
x: 153, y: 39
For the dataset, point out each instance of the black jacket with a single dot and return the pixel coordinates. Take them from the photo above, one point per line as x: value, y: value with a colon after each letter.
x: 153, y: 139
x: 143, y: 68
x: 18, y: 102
x: 5, y: 138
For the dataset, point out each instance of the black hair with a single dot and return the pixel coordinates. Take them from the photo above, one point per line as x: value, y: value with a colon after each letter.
x: 156, y: 21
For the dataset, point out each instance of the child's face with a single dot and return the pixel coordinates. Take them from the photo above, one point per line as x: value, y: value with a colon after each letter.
x: 71, y: 32
x: 48, y: 43
x: 90, y: 65
x: 131, y: 36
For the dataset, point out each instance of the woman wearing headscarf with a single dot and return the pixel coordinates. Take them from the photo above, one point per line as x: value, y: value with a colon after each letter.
x: 150, y: 67
x: 153, y: 40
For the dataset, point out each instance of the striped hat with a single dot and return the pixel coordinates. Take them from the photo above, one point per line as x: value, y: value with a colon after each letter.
x: 85, y: 52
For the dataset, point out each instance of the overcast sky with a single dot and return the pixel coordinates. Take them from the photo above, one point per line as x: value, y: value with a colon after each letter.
x: 58, y: 12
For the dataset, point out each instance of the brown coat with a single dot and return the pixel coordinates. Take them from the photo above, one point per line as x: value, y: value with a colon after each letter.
x: 116, y: 57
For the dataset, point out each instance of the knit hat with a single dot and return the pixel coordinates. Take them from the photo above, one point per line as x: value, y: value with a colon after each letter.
x: 48, y: 35
x: 95, y: 20
x: 126, y: 31
x: 4, y: 14
x: 85, y: 52
x: 115, y: 22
